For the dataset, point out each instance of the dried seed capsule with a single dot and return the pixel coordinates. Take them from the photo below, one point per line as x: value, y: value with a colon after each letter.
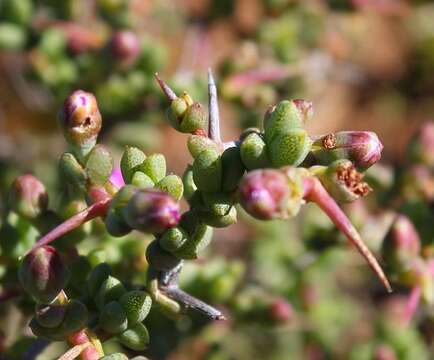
x: 253, y: 152
x: 188, y: 182
x: 131, y: 160
x: 233, y: 169
x: 363, y: 148
x: 172, y: 184
x: 99, y: 165
x: 72, y: 172
x: 142, y: 181
x: 50, y: 316
x: 172, y: 239
x: 111, y: 289
x: 28, y: 197
x: 81, y: 121
x: 195, y: 243
x: 286, y: 116
x: 155, y: 167
x: 151, y: 211
x: 113, y: 318
x: 207, y: 171
x: 160, y: 259
x: 136, y: 305
x: 220, y: 221
x: 43, y: 274
x: 97, y: 276
x: 135, y: 338
x: 342, y: 180
x: 290, y: 148
x: 198, y: 143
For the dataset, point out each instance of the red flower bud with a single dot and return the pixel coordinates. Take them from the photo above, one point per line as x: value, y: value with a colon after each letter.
x: 152, y: 211
x: 43, y: 274
x: 28, y: 197
x: 125, y: 47
x: 80, y: 120
x: 363, y: 148
x: 281, y: 311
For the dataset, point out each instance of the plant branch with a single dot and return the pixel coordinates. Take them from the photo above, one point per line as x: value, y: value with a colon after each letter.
x: 95, y: 210
x: 213, y: 108
x: 170, y: 94
x: 315, y: 192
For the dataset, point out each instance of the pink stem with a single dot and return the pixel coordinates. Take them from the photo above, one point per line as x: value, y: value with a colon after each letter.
x: 89, y: 352
x: 315, y: 192
x: 170, y: 94
x: 412, y: 303
x: 95, y: 210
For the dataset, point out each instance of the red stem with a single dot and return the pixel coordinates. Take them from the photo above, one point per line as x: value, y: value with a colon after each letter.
x: 315, y: 192
x: 95, y: 210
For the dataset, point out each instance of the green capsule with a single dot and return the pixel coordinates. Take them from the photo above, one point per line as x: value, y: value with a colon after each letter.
x: 97, y: 276
x: 142, y: 181
x: 172, y: 184
x: 76, y: 317
x: 179, y: 107
x: 99, y: 165
x: 135, y: 338
x: 233, y: 168
x: 194, y: 119
x: 155, y: 167
x: 207, y: 171
x: 217, y: 203
x: 220, y: 221
x: 136, y: 305
x: 131, y: 161
x: 173, y: 238
x: 198, y: 143
x: 160, y: 259
x: 116, y: 225
x: 111, y: 289
x: 113, y: 318
x: 253, y: 151
x: 115, y: 356
x: 50, y: 316
x: 72, y: 172
x: 188, y: 182
x: 196, y: 243
x: 290, y: 148
x: 284, y: 117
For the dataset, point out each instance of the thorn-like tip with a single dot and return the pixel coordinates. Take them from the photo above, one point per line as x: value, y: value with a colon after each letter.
x: 211, y: 80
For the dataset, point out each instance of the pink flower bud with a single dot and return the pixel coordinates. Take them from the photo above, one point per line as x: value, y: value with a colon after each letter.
x: 28, y: 197
x: 421, y: 149
x: 152, y: 211
x: 363, y: 148
x: 43, y: 274
x: 281, y: 311
x: 80, y: 120
x: 125, y: 47
x: 262, y: 193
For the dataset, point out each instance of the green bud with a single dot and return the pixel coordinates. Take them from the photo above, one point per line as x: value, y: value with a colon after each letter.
x: 116, y: 225
x: 188, y: 182
x: 135, y: 338
x: 76, y: 317
x: 172, y: 184
x: 217, y: 203
x: 289, y: 148
x: 233, y: 169
x: 43, y: 274
x: 96, y: 277
x: 113, y: 318
x: 179, y: 107
x: 155, y: 167
x: 198, y: 143
x: 253, y: 151
x: 194, y: 119
x: 111, y: 289
x: 160, y: 259
x: 207, y: 171
x: 131, y: 161
x: 220, y: 221
x: 342, y: 180
x: 12, y: 37
x: 286, y: 116
x: 99, y: 165
x: 199, y: 240
x: 115, y: 356
x: 72, y: 172
x: 142, y: 181
x: 28, y: 197
x: 50, y: 316
x: 173, y: 238
x: 114, y: 221
x: 136, y: 305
